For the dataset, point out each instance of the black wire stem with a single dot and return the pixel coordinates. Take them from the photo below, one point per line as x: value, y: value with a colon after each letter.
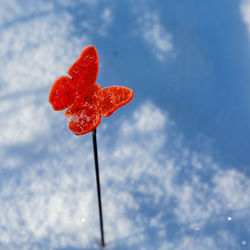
x: 98, y: 186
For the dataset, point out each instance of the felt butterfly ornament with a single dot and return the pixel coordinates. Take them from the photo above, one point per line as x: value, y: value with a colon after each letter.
x: 83, y: 98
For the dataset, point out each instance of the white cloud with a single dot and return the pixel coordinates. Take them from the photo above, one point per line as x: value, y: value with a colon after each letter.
x: 245, y: 12
x: 152, y: 30
x: 147, y: 123
x: 12, y: 11
x: 22, y: 120
x: 52, y: 201
x: 99, y: 25
x: 233, y: 187
x: 206, y: 242
x: 107, y: 20
x: 37, y: 51
x: 156, y: 34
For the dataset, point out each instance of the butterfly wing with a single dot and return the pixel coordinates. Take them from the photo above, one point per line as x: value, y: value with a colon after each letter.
x: 86, y: 66
x: 113, y: 98
x: 61, y: 95
x: 83, y: 120
x: 85, y: 115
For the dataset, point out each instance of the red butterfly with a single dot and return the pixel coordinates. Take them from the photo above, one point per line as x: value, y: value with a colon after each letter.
x: 85, y: 99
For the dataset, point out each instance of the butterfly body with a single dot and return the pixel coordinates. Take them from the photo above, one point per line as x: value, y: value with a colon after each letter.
x: 85, y: 99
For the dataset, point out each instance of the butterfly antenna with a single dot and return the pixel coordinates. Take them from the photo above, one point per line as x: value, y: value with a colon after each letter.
x: 98, y: 186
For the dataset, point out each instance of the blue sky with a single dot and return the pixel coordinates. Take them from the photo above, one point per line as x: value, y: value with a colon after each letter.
x: 174, y: 163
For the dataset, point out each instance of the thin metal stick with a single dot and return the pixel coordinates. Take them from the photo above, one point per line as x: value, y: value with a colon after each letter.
x: 98, y: 186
